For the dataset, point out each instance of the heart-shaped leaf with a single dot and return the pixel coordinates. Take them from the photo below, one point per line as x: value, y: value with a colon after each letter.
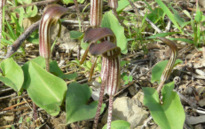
x: 12, y: 74
x: 75, y: 34
x: 170, y: 114
x: 77, y: 106
x: 119, y: 124
x: 159, y: 68
x: 46, y: 90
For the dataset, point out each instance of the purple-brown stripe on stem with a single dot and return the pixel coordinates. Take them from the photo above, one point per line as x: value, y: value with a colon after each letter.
x: 168, y: 69
x: 110, y: 71
x: 51, y: 15
x: 96, y: 13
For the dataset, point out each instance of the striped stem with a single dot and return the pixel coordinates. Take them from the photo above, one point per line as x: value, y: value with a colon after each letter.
x: 96, y: 13
x: 168, y: 69
x: 109, y: 118
x: 104, y: 75
x: 113, y: 75
x: 110, y: 72
x: 51, y: 16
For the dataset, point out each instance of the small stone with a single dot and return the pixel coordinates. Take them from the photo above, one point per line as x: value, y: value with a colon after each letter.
x: 59, y: 122
x: 195, y: 119
x: 182, y: 89
x: 188, y: 90
x: 202, y: 102
x: 199, y: 126
x: 8, y: 118
x: 132, y: 90
x: 202, y: 3
x: 200, y: 90
x: 139, y: 97
x: 185, y: 77
x: 127, y: 109
x: 177, y: 80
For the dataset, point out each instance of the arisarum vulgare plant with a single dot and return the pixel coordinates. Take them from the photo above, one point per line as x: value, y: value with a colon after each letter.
x: 164, y: 103
x: 51, y: 16
x: 110, y: 71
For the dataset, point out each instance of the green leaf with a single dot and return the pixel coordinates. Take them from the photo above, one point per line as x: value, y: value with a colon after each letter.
x: 110, y: 21
x: 24, y: 1
x: 39, y: 60
x: 127, y: 79
x: 46, y: 90
x: 11, y: 31
x: 198, y: 16
x: 75, y: 34
x: 71, y: 1
x: 31, y: 11
x: 123, y: 4
x: 21, y: 13
x: 84, y: 45
x: 155, y: 15
x: 159, y: 68
x: 12, y: 74
x: 34, y: 38
x: 77, y: 107
x: 119, y: 124
x: 6, y: 41
x: 19, y: 29
x: 169, y: 13
x: 8, y: 82
x: 183, y: 40
x: 54, y: 69
x: 170, y: 114
x: 123, y: 63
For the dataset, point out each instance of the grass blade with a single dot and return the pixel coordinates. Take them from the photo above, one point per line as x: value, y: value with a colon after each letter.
x: 168, y: 13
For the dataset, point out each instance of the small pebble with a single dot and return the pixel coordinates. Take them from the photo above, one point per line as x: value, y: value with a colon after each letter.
x: 202, y: 102
x: 188, y: 90
x: 8, y: 118
x: 177, y: 80
x: 199, y: 126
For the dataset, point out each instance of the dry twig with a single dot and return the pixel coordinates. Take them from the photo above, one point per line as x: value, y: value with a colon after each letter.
x: 21, y: 38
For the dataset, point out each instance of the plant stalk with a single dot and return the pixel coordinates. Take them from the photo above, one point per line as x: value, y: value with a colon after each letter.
x: 96, y: 13
x: 109, y: 118
x: 100, y: 101
x: 168, y: 69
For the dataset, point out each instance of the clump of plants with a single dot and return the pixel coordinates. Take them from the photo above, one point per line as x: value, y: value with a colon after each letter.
x: 44, y: 81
